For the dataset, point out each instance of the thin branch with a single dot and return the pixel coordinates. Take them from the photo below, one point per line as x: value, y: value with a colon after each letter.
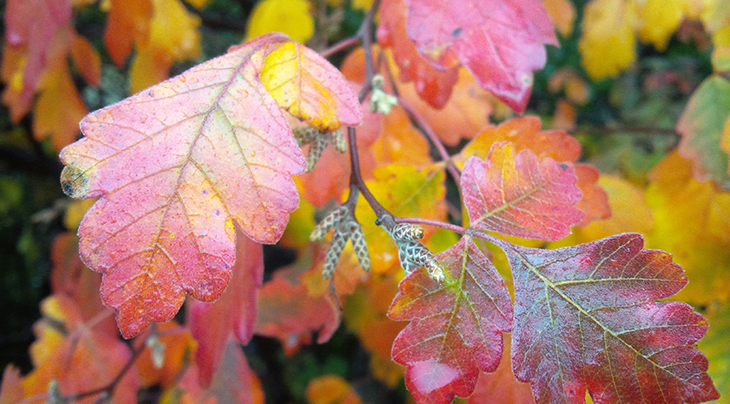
x: 426, y: 128
x: 356, y: 177
x: 622, y: 130
x: 431, y: 222
x: 343, y: 44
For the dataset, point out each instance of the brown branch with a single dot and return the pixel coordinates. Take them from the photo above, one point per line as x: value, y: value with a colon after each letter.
x: 430, y: 222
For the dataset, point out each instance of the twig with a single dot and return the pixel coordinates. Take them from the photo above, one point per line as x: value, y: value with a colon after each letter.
x: 426, y: 128
x: 621, y: 130
x: 343, y: 44
x: 430, y: 222
x: 356, y: 177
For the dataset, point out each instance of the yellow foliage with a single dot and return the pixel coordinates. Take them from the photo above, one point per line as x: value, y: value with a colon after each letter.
x: 658, y: 19
x: 692, y: 221
x: 629, y: 213
x: 608, y: 45
x: 75, y: 212
x: 291, y: 17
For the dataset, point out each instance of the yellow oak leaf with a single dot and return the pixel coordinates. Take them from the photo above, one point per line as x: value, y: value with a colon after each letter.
x: 629, y: 213
x: 607, y: 45
x: 692, y: 221
x: 658, y: 19
x: 59, y: 108
x: 292, y: 17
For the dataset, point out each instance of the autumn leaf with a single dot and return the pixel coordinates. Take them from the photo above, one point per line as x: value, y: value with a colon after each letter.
x: 519, y: 195
x: 310, y: 88
x: 500, y: 42
x: 501, y: 386
x: 128, y: 22
x: 331, y: 389
x: 562, y: 15
x: 692, y: 220
x: 525, y: 134
x: 11, y: 389
x: 292, y: 17
x: 211, y: 324
x: 179, y: 347
x: 72, y: 279
x: 702, y: 124
x: 79, y: 357
x: 607, y: 44
x: 586, y: 319
x: 456, y: 325
x: 714, y: 345
x: 288, y: 312
x: 173, y: 36
x: 175, y: 167
x: 32, y: 24
x: 432, y: 85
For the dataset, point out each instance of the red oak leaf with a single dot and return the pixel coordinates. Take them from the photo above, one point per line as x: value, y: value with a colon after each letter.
x: 520, y: 196
x: 456, y: 328
x: 586, y: 319
x: 175, y: 167
x: 235, y: 312
x: 500, y: 42
x: 432, y: 85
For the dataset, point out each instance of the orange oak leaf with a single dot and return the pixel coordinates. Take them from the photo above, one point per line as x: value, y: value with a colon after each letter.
x: 179, y: 347
x: 524, y: 133
x: 77, y: 355
x: 432, y: 85
x: 175, y: 167
x: 331, y: 389
x: 456, y: 325
x: 586, y: 319
x: 234, y: 313
x: 520, y: 195
x: 86, y: 59
x: 128, y: 22
x: 289, y: 313
x: 500, y: 42
x: 501, y: 386
x: 310, y: 88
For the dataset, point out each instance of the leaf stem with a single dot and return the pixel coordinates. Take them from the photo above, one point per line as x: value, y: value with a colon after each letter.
x: 455, y: 228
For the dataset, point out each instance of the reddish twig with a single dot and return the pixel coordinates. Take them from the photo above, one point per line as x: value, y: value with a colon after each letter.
x: 343, y: 44
x: 430, y: 222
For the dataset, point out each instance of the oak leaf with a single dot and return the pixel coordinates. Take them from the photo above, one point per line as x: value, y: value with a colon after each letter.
x: 175, y: 167
x: 331, y: 389
x: 432, y: 85
x: 500, y: 42
x: 519, y: 195
x: 456, y: 325
x: 524, y: 133
x: 586, y: 319
x: 607, y: 44
x: 702, y: 124
x: 128, y: 22
x: 212, y: 324
x: 179, y: 346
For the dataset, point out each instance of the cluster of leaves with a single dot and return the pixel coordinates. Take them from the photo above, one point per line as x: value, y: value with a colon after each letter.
x: 194, y: 174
